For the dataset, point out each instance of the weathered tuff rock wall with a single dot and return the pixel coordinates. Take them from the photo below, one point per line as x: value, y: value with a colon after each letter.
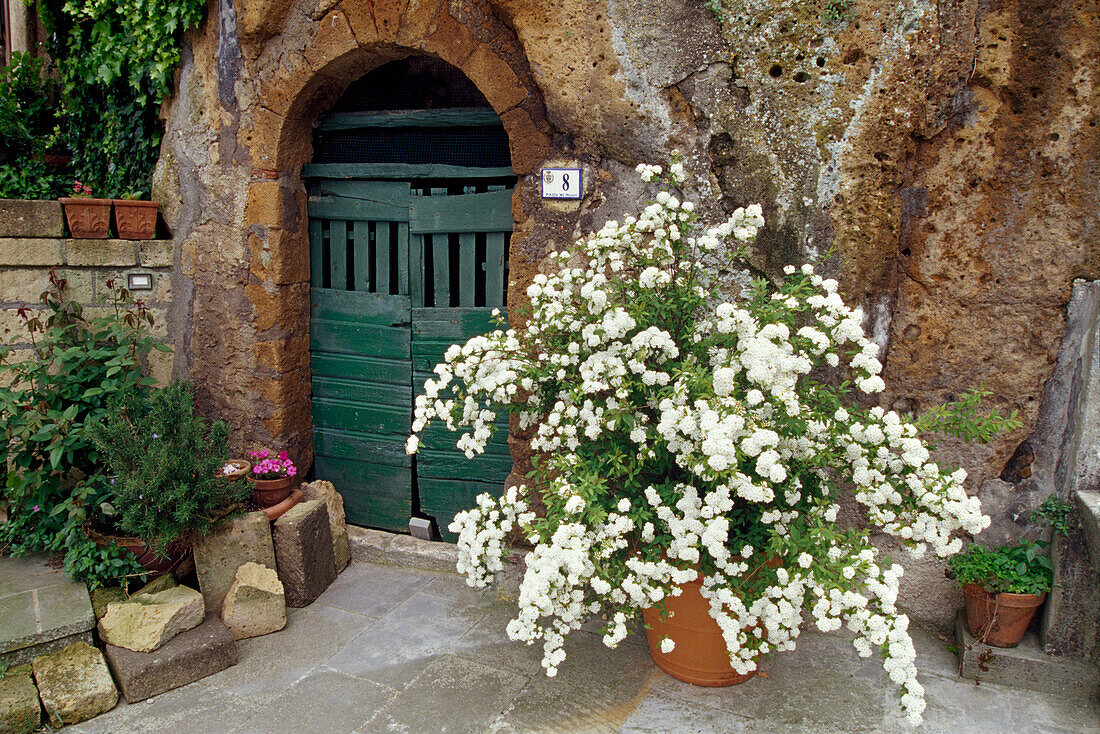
x: 943, y: 155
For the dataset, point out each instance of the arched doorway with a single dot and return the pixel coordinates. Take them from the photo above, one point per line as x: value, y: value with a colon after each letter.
x: 409, y: 203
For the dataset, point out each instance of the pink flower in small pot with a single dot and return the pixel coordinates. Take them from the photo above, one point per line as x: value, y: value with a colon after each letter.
x: 265, y: 467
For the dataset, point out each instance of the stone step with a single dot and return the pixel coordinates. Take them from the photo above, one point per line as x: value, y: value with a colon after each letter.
x: 1024, y: 666
x: 41, y: 609
x: 187, y: 657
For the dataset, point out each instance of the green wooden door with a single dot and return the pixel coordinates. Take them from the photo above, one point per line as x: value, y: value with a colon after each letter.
x: 400, y: 271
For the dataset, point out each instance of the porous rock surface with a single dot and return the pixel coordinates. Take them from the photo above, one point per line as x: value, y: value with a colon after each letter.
x: 74, y: 684
x: 144, y: 622
x: 303, y: 547
x: 256, y: 603
x: 221, y: 552
x: 327, y: 493
x: 20, y: 711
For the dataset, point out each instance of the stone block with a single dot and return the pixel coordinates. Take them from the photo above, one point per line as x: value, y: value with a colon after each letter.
x: 367, y: 545
x: 30, y: 251
x: 103, y: 596
x: 189, y: 656
x: 41, y: 609
x: 144, y: 622
x: 156, y: 253
x: 20, y: 711
x: 405, y: 550
x: 255, y: 604
x: 30, y: 218
x: 1088, y: 510
x: 303, y: 548
x: 159, y: 584
x: 74, y: 684
x: 1024, y: 666
x: 494, y: 78
x: 231, y: 544
x: 334, y: 502
x: 100, y: 253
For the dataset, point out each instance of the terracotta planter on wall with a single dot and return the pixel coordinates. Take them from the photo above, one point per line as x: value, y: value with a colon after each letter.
x: 135, y: 220
x: 700, y: 656
x: 1001, y: 619
x: 88, y: 218
x: 270, y: 492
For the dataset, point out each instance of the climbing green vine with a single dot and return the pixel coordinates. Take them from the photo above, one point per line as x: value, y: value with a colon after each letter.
x: 114, y: 62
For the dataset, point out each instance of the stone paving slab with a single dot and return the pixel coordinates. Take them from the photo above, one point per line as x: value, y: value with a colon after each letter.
x: 41, y: 609
x: 409, y: 650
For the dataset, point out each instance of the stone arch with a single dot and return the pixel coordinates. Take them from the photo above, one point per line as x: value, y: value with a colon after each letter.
x: 348, y: 42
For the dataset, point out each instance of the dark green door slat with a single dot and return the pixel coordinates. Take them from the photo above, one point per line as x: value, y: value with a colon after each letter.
x: 361, y: 256
x: 341, y: 444
x: 467, y: 253
x: 494, y: 269
x: 416, y: 269
x: 488, y: 212
x: 382, y: 419
x: 382, y: 257
x: 335, y: 337
x: 338, y: 253
x: 441, y: 265
x: 330, y: 304
x: 403, y: 258
x: 403, y: 171
x: 316, y: 252
x: 369, y: 369
x: 452, y: 117
x: 360, y: 391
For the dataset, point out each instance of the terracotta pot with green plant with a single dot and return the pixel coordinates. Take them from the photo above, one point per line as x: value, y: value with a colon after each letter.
x: 165, y: 460
x: 1004, y: 586
x: 88, y: 217
x: 135, y: 219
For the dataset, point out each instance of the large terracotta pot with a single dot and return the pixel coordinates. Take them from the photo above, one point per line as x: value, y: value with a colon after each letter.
x: 1001, y: 619
x: 135, y: 220
x: 270, y: 492
x: 700, y: 655
x: 87, y: 218
x: 175, y: 557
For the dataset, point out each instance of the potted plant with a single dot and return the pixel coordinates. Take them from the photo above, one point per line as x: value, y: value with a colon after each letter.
x: 87, y: 217
x: 1004, y: 586
x: 272, y: 477
x: 135, y: 219
x: 691, y: 440
x: 165, y: 461
x: 234, y: 469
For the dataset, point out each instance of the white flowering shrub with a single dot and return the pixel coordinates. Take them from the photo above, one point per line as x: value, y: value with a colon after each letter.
x: 681, y: 437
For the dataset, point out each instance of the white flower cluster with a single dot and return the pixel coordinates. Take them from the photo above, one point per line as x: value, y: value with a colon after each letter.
x: 682, y: 439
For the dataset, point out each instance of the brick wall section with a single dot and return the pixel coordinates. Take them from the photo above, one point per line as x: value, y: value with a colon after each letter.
x: 87, y: 265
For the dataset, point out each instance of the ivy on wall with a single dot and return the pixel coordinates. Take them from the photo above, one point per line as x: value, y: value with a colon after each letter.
x: 113, y: 62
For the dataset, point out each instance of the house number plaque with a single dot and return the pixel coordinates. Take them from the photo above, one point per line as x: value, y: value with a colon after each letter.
x: 561, y: 183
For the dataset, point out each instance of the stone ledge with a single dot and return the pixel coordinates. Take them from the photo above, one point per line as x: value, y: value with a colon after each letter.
x: 31, y: 218
x: 1024, y: 666
x: 1088, y: 509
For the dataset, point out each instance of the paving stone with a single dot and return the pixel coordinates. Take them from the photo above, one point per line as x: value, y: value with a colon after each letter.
x: 74, y: 684
x: 303, y: 550
x: 20, y: 711
x: 144, y: 622
x: 220, y: 553
x: 373, y: 590
x: 197, y: 653
x: 663, y: 714
x: 192, y: 709
x: 342, y: 702
x: 41, y: 609
x: 270, y: 664
x: 451, y: 683
x: 255, y: 604
x: 1024, y: 666
x: 400, y: 645
x: 334, y: 503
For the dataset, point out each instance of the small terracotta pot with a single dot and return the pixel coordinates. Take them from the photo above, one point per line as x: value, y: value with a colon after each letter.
x: 270, y: 492
x: 276, y: 511
x: 240, y: 469
x: 88, y: 218
x: 176, y: 554
x: 135, y: 220
x: 1001, y: 619
x: 700, y: 656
